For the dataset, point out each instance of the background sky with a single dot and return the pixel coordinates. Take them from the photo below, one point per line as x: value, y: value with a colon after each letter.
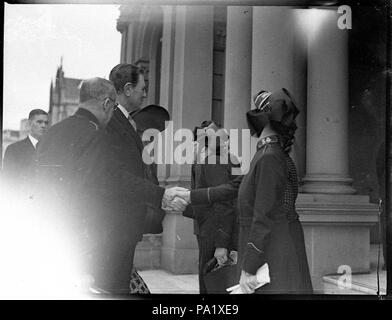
x: 35, y: 39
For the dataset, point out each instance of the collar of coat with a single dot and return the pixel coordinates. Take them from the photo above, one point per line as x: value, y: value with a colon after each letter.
x: 84, y: 113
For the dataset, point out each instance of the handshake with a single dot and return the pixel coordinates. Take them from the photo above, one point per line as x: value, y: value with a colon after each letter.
x: 176, y: 199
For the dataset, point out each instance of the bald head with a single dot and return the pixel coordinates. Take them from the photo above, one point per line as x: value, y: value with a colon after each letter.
x: 98, y: 96
x: 96, y: 89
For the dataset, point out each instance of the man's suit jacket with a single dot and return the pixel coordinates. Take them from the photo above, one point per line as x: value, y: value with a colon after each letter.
x: 146, y: 195
x: 19, y: 162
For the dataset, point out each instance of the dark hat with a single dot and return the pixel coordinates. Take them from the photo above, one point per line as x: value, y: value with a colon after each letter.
x: 151, y: 116
x: 276, y: 106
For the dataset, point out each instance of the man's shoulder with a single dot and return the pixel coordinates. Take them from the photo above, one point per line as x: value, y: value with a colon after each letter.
x: 72, y: 126
x: 19, y: 145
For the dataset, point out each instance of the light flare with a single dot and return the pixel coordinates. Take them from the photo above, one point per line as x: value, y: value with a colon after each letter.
x: 38, y: 256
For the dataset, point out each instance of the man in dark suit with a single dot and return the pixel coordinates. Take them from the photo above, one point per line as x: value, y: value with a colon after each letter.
x: 70, y: 160
x: 130, y: 87
x: 19, y: 157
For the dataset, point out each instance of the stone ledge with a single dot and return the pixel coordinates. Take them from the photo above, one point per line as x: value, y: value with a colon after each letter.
x: 319, y: 198
x: 355, y: 288
x: 336, y: 209
x: 148, y: 252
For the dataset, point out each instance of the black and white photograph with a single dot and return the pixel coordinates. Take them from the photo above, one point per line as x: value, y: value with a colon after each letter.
x: 196, y: 149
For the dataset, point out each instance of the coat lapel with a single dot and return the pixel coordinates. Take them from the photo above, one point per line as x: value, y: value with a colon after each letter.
x: 127, y: 129
x: 29, y: 145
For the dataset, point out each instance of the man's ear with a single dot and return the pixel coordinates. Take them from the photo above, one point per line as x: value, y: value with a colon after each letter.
x: 105, y: 105
x: 128, y: 88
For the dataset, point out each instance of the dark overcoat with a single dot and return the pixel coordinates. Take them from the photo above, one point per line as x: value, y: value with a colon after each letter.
x: 270, y: 231
x: 102, y: 185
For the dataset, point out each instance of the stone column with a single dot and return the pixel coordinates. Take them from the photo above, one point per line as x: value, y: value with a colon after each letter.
x: 238, y: 72
x: 336, y: 222
x: 167, y: 60
x: 279, y: 61
x: 192, y: 100
x: 122, y: 27
x: 238, y: 66
x: 327, y: 114
x: 167, y: 69
x: 272, y: 49
x: 127, y: 24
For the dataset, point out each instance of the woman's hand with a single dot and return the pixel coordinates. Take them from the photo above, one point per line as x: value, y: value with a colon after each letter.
x: 248, y: 282
x: 221, y: 255
x: 233, y: 255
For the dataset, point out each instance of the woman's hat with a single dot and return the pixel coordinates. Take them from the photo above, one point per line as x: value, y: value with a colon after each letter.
x: 151, y: 117
x: 276, y: 106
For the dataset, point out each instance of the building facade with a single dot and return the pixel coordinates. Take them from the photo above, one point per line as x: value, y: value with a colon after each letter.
x: 64, y: 96
x: 206, y: 62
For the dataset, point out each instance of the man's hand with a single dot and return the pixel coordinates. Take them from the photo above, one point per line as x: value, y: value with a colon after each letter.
x: 221, y: 255
x: 184, y: 194
x: 173, y: 201
x: 248, y: 282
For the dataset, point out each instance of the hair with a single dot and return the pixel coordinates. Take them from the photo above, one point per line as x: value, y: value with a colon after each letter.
x: 95, y: 88
x: 37, y: 112
x: 124, y: 73
x: 285, y: 132
x: 203, y: 125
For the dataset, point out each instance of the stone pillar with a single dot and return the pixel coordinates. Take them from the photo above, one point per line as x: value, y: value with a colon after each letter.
x: 279, y: 61
x: 167, y: 69
x: 336, y: 222
x: 122, y: 27
x: 300, y: 93
x: 273, y: 49
x: 167, y: 60
x: 327, y: 118
x: 192, y: 100
x: 238, y: 71
x: 238, y: 67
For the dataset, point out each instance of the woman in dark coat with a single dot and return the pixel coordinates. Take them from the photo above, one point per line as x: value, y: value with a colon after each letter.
x: 270, y: 231
x: 214, y: 223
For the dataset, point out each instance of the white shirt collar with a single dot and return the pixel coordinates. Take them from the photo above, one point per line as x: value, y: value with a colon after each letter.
x: 33, y: 140
x: 123, y: 110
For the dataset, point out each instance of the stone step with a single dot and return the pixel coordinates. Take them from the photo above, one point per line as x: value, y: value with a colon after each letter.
x: 331, y: 286
x: 365, y: 283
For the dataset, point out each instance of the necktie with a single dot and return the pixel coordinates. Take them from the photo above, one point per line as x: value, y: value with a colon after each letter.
x: 132, y: 122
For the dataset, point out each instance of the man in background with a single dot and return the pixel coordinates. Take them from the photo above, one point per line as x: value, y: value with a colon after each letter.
x: 19, y: 157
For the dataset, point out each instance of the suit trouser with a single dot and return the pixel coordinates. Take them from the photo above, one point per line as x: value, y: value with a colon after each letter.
x: 113, y: 256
